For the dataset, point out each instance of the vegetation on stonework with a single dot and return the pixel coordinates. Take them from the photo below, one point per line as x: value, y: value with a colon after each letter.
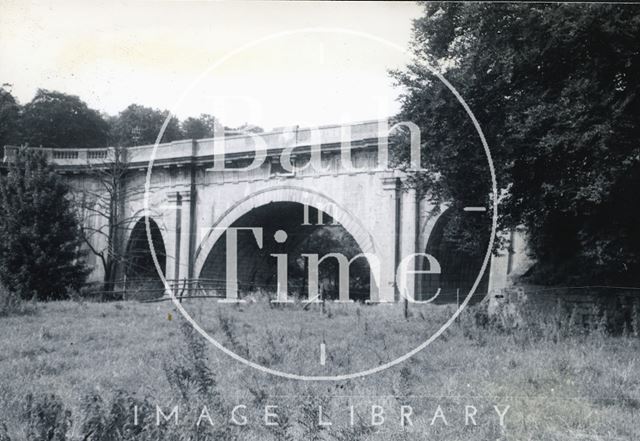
x: 551, y: 371
x: 556, y: 90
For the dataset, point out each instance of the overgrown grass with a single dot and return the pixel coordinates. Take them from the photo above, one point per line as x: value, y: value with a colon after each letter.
x: 11, y: 304
x: 77, y: 370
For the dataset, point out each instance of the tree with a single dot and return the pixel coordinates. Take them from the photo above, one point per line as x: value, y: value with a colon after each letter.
x: 39, y: 238
x: 198, y: 128
x: 55, y: 119
x: 9, y: 118
x: 139, y: 125
x: 104, y: 225
x: 556, y: 89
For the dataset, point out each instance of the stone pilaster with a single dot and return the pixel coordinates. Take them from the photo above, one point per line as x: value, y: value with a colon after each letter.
x: 388, y: 239
x: 185, y: 235
x: 408, y: 239
x: 173, y: 238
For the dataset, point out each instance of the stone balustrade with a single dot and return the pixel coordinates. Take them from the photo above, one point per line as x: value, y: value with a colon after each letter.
x: 233, y: 146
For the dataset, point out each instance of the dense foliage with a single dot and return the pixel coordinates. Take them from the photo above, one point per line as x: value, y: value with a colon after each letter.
x: 139, y: 125
x: 54, y: 119
x: 199, y: 128
x: 58, y: 120
x: 9, y: 118
x: 39, y: 238
x: 555, y: 88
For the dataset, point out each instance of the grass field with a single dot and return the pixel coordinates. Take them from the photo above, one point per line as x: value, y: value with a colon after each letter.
x: 97, y: 358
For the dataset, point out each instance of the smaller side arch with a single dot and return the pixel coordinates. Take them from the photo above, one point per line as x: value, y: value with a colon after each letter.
x: 140, y: 275
x: 139, y: 215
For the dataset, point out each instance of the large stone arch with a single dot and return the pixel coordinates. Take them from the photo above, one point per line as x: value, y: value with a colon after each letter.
x: 284, y: 193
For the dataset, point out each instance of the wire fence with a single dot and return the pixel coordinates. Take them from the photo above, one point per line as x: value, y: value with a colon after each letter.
x: 586, y: 297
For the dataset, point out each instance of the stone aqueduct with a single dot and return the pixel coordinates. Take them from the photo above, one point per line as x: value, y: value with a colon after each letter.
x: 192, y: 205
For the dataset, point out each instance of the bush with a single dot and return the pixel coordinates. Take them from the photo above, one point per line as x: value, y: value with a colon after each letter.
x: 39, y: 231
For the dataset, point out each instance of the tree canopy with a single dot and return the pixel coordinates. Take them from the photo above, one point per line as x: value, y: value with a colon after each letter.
x: 58, y: 120
x: 199, y: 128
x: 55, y: 119
x: 555, y: 88
x: 10, y: 132
x: 138, y: 125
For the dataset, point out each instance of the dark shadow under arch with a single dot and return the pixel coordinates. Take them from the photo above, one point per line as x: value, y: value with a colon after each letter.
x: 257, y: 270
x: 141, y: 276
x: 459, y: 269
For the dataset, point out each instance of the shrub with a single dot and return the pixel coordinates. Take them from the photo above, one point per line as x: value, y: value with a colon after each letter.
x: 39, y: 231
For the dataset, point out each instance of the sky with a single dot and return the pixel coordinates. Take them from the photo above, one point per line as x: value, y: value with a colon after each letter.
x: 272, y: 64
